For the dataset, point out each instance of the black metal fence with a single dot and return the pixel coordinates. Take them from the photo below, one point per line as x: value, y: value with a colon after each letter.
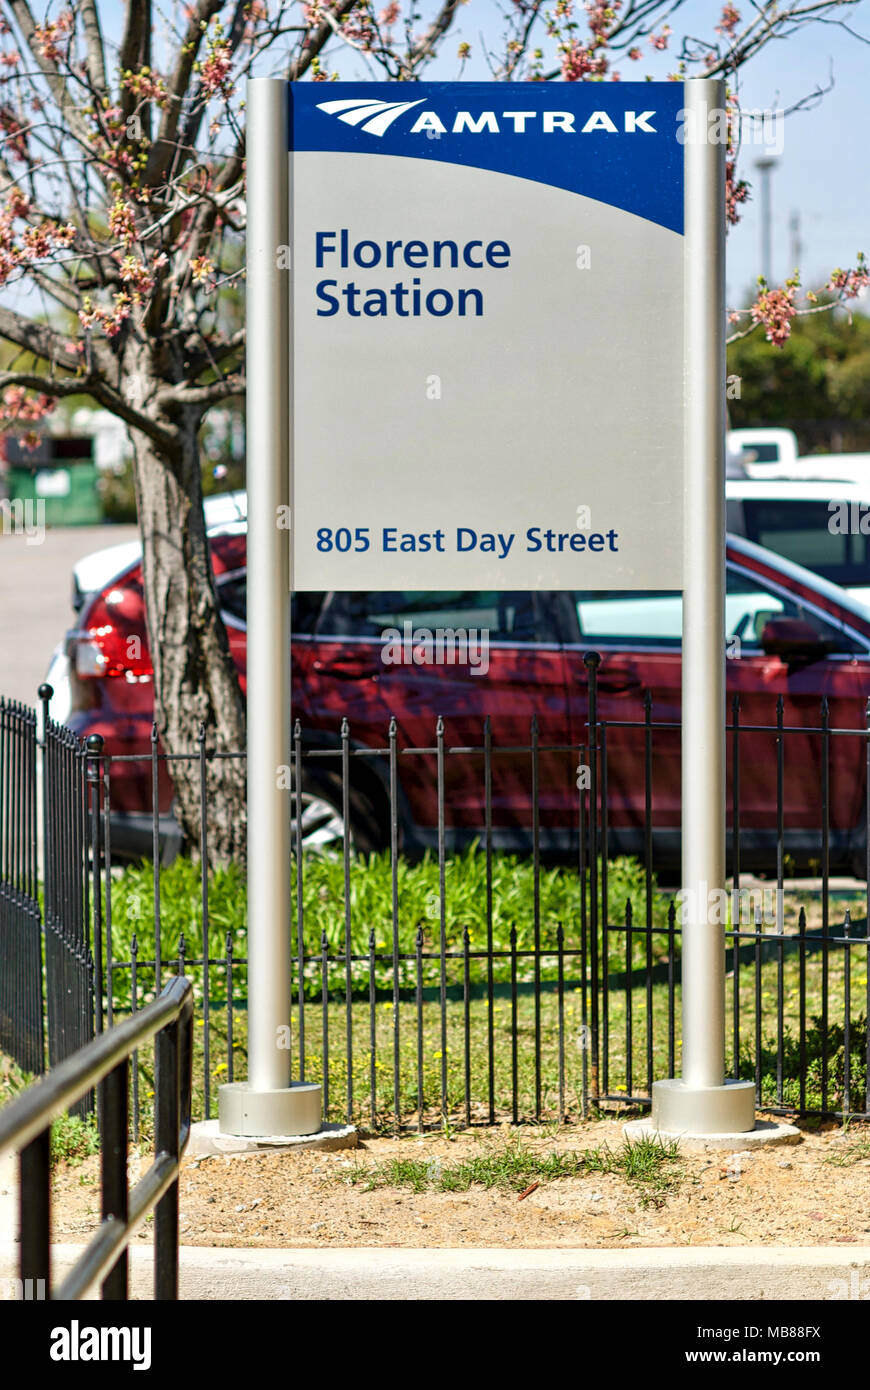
x: 73, y: 942
x: 21, y: 998
x: 25, y: 1128
x: 468, y: 987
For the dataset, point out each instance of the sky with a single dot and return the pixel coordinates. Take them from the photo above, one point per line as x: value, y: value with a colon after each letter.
x: 822, y: 173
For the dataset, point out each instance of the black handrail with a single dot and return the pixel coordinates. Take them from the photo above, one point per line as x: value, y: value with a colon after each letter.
x: 25, y: 1126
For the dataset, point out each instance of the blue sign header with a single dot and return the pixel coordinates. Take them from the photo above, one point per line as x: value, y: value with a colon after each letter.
x: 619, y: 143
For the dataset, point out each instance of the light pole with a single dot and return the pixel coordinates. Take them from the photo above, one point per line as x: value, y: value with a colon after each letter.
x: 765, y: 167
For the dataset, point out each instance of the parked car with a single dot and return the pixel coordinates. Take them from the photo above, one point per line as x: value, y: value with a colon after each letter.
x: 93, y: 572
x: 791, y: 634
x: 817, y: 524
x: 760, y: 448
x: 767, y: 462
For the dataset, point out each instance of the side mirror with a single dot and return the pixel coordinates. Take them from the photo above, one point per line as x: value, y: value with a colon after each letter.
x: 794, y: 640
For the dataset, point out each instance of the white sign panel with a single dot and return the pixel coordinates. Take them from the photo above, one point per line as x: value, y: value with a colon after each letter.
x: 487, y: 335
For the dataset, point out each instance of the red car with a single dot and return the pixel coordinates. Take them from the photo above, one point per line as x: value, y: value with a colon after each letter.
x: 789, y: 634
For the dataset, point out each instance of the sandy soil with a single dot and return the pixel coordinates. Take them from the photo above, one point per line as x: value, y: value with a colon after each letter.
x: 776, y: 1196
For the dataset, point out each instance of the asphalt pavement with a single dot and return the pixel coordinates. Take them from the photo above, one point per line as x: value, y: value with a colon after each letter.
x: 35, y: 606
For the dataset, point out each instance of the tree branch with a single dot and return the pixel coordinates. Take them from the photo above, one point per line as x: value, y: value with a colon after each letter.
x: 425, y: 46
x: 96, y: 53
x: 37, y: 338
x: 317, y: 40
x: 164, y: 147
x: 213, y: 391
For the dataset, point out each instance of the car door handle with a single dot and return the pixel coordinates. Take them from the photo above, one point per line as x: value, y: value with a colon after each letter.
x: 349, y: 668
x: 617, y: 680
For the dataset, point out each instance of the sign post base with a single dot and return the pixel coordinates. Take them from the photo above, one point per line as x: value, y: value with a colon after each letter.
x: 678, y: 1108
x: 293, y: 1110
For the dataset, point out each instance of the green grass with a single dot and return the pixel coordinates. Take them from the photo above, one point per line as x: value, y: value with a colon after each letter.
x: 72, y: 1139
x: 368, y: 1071
x: 370, y: 1068
x: 648, y: 1165
x: 12, y: 1079
x: 375, y: 1109
x: 132, y: 910
x: 847, y: 1158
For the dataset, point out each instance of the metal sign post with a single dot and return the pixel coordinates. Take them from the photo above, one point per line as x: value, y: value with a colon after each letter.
x: 702, y: 1102
x: 268, y: 1104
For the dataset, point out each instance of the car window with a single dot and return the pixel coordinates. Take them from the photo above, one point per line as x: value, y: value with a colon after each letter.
x: 641, y: 619
x: 802, y: 532
x: 506, y: 616
x: 233, y: 596
x: 749, y: 606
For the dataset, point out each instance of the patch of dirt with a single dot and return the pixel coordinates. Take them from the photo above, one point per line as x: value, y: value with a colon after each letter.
x: 778, y: 1196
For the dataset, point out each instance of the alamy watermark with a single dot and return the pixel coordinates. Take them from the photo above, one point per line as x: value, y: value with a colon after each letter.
x: 78, y: 1343
x: 757, y: 906
x: 23, y: 518
x: 703, y: 125
x: 849, y: 518
x: 440, y: 646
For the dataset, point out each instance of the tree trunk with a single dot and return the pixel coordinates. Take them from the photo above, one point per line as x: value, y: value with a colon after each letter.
x: 195, y: 677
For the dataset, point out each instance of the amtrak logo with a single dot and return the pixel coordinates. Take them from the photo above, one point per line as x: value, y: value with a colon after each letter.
x: 374, y: 117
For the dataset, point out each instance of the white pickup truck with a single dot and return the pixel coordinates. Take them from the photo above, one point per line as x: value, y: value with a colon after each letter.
x: 768, y: 454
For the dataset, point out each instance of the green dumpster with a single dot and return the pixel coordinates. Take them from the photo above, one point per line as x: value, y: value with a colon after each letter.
x: 59, y: 472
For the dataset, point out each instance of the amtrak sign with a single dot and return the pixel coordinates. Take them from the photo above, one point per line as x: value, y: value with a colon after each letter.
x: 485, y: 350
x: 487, y: 335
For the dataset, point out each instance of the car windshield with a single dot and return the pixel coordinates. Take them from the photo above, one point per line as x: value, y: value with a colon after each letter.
x: 816, y: 534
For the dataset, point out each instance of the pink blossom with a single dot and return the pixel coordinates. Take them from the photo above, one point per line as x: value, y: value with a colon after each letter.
x: 729, y: 21
x: 37, y: 242
x: 775, y: 309
x: 109, y: 320
x: 18, y: 405
x: 201, y: 267
x: 215, y: 71
x: 850, y: 283
x: 661, y: 40
x: 601, y: 15
x: 15, y: 142
x: 145, y: 84
x: 121, y: 222
x: 134, y: 272
x: 48, y: 37
x: 17, y: 204
x: 357, y: 26
x: 577, y: 61
x: 736, y: 192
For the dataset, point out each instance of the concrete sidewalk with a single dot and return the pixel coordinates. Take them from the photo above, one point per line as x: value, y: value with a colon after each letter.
x: 741, y: 1274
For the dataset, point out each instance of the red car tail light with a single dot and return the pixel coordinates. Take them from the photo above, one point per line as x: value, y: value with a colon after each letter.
x: 113, y: 640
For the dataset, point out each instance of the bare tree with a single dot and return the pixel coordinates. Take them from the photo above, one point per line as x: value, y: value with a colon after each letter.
x: 122, y: 161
